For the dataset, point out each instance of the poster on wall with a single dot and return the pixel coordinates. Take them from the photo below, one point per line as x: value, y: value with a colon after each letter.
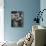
x: 17, y: 18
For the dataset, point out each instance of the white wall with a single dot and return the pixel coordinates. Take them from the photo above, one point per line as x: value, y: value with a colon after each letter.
x: 1, y: 20
x: 43, y: 6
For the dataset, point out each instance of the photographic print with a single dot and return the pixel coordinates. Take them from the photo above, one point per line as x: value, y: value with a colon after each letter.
x: 17, y: 18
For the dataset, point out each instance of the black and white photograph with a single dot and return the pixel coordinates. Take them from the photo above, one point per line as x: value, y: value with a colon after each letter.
x: 17, y: 18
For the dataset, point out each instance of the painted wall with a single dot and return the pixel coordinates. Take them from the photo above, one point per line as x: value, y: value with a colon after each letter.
x: 29, y: 7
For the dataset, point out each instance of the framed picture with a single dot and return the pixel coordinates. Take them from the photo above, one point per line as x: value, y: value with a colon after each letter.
x: 17, y: 18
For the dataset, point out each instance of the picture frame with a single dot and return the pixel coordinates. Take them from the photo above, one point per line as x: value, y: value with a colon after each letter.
x: 17, y: 18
